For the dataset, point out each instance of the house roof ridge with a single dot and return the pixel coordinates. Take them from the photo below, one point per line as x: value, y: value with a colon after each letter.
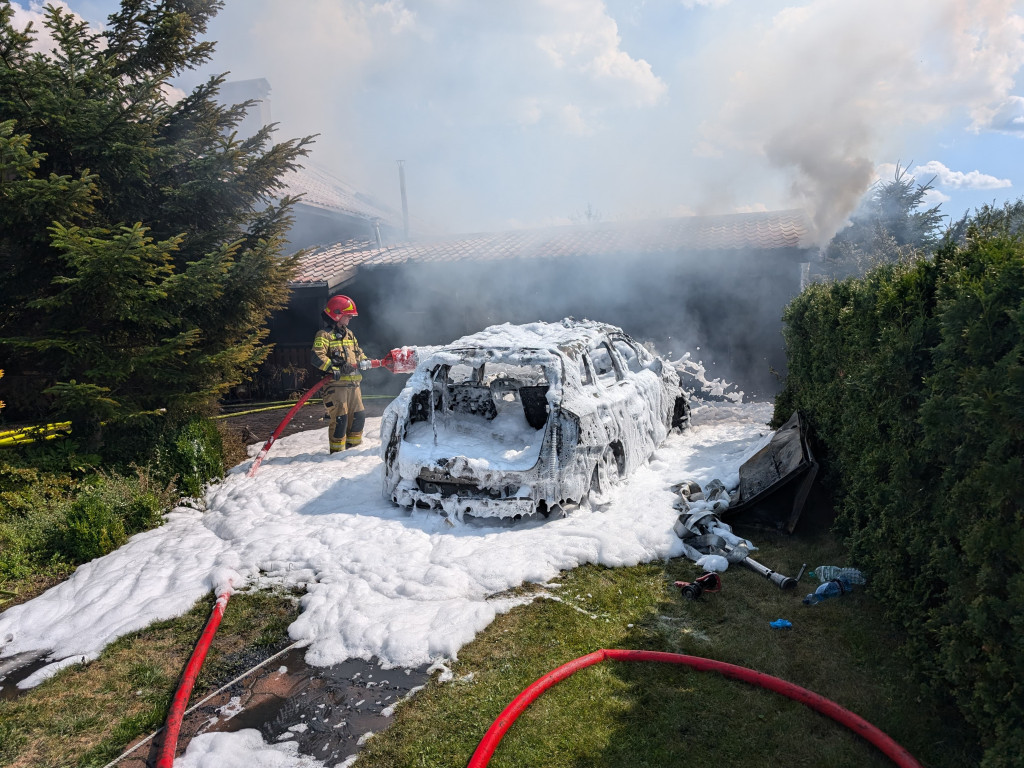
x: 758, y: 230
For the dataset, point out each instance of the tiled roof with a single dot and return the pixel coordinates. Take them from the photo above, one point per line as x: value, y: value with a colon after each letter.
x: 333, y: 264
x: 320, y: 189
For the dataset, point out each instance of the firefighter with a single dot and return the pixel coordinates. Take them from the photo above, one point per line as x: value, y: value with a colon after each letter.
x: 336, y: 351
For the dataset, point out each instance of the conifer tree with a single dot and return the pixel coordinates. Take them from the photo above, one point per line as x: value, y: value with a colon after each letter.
x: 889, y: 227
x: 141, y: 241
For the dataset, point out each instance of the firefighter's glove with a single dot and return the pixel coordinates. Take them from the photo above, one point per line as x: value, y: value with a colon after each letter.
x: 341, y: 369
x: 365, y: 365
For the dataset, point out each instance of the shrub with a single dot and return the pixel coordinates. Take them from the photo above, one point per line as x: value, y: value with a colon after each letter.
x: 192, y: 452
x: 58, y: 509
x: 912, y: 380
x: 138, y: 500
x: 51, y: 519
x: 92, y: 529
x: 107, y: 512
x: 32, y: 506
x: 234, y: 446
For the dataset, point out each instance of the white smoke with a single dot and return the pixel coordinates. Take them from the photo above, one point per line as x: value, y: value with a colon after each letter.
x: 824, y: 90
x: 510, y: 114
x: 489, y: 104
x: 1007, y: 117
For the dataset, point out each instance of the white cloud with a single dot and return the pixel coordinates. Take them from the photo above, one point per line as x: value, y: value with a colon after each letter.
x: 34, y: 13
x: 582, y: 37
x: 704, y: 3
x: 1005, y: 117
x: 573, y: 121
x: 399, y: 18
x: 172, y: 95
x: 528, y: 112
x: 934, y: 197
x: 944, y: 177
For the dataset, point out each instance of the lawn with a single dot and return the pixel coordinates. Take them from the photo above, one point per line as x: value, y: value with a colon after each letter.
x: 610, y: 714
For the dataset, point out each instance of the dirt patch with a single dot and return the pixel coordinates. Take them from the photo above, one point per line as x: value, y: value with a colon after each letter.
x: 327, y: 711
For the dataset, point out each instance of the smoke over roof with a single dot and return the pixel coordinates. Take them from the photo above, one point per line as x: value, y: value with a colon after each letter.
x: 522, y: 114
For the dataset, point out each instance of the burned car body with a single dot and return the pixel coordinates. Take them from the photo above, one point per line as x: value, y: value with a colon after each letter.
x: 523, y: 419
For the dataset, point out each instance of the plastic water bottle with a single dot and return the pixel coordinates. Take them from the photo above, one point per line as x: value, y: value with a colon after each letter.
x: 832, y: 588
x: 829, y: 572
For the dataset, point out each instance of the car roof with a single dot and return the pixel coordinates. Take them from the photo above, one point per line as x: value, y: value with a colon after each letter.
x: 541, y: 336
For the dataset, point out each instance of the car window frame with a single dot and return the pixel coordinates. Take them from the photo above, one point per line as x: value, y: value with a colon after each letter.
x: 637, y: 354
x: 616, y: 365
x: 580, y: 360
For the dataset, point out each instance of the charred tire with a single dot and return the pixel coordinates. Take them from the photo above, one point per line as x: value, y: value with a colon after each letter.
x: 607, y: 472
x: 681, y: 413
x: 545, y: 511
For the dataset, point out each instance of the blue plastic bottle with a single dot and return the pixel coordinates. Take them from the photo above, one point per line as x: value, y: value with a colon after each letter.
x: 833, y: 588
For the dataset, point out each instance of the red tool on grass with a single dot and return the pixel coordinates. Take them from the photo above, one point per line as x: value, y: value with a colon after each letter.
x: 709, y: 582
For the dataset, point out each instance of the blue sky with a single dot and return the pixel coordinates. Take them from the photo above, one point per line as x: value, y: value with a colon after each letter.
x: 528, y: 112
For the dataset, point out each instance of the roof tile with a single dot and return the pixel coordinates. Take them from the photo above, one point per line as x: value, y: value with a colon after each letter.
x: 740, y: 231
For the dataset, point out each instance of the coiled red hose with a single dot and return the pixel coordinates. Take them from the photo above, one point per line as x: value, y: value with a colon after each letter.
x: 165, y: 758
x: 284, y: 423
x: 482, y: 756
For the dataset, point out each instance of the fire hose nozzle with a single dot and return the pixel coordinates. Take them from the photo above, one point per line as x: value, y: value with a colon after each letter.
x: 783, y: 582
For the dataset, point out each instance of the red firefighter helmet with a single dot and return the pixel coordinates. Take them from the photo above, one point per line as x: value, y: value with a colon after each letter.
x: 339, y: 306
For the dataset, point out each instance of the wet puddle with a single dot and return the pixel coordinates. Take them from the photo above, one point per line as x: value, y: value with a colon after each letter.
x: 16, y: 668
x: 328, y: 711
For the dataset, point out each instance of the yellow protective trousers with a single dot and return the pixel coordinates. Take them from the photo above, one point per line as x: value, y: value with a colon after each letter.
x: 344, y: 403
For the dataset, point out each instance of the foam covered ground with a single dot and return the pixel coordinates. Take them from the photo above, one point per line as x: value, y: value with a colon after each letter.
x: 379, y: 581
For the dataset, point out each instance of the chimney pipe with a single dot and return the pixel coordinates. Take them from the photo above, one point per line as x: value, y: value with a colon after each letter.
x: 405, y: 204
x: 376, y: 230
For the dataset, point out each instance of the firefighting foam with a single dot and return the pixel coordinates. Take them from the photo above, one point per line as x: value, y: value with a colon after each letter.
x: 379, y: 581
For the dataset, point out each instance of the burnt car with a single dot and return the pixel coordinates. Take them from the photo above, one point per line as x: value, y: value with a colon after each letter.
x: 524, y: 419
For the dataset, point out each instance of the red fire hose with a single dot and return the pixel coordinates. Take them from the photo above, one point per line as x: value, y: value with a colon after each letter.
x: 165, y: 758
x: 892, y: 750
x: 284, y: 423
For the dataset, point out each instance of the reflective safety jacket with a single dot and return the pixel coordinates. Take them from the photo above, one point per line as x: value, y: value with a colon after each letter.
x: 338, y: 346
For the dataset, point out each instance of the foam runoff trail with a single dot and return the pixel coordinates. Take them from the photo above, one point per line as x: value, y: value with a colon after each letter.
x: 380, y: 581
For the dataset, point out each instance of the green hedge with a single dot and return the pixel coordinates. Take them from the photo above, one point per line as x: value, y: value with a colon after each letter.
x: 912, y: 380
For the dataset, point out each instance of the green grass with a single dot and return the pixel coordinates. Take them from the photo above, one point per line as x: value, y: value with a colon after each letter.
x: 86, y: 715
x: 611, y: 714
x: 644, y: 714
